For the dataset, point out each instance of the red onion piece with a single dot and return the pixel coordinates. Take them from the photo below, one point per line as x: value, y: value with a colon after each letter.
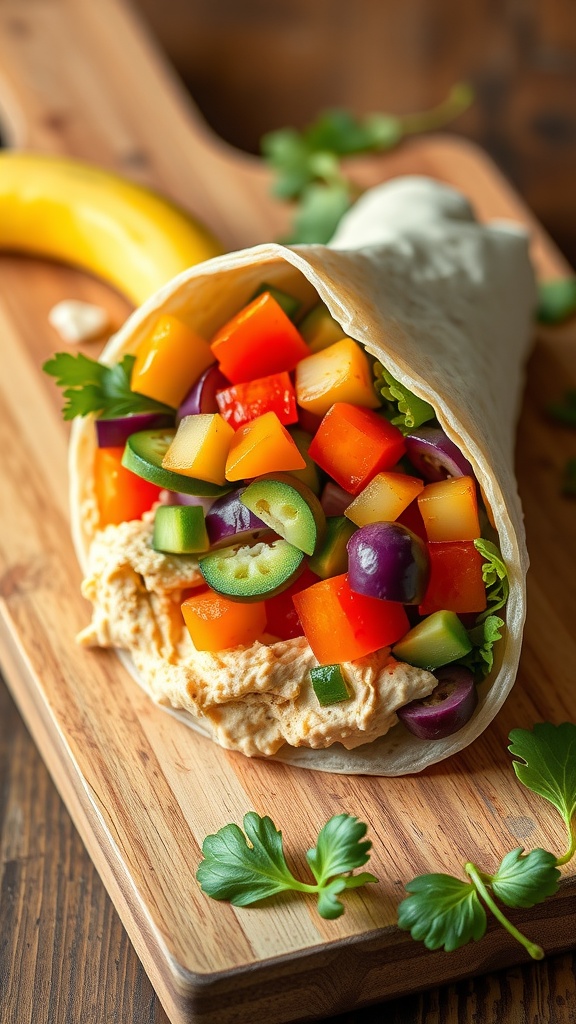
x: 230, y: 520
x: 387, y: 561
x: 446, y: 709
x: 177, y: 498
x: 334, y: 499
x: 114, y: 433
x: 202, y: 395
x: 434, y: 455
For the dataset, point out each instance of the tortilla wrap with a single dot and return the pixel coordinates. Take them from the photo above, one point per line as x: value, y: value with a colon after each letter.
x: 446, y: 304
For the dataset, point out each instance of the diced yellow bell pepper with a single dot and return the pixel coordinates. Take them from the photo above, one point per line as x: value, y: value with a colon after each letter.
x: 320, y: 329
x: 200, y: 447
x: 170, y: 361
x: 384, y: 499
x: 449, y: 509
x: 262, y: 446
x: 340, y: 373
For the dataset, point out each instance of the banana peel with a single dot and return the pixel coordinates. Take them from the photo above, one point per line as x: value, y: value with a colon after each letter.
x: 85, y: 216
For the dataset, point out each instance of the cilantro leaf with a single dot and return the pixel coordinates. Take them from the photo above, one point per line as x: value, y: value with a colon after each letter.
x: 495, y: 576
x: 556, y: 300
x: 243, y: 868
x: 442, y: 911
x: 407, y: 411
x: 525, y: 879
x: 321, y: 209
x: 90, y: 386
x: 548, y: 765
x: 483, y: 636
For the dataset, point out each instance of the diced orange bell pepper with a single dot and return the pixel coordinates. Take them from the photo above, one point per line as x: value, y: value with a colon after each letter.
x: 341, y: 625
x: 262, y: 446
x: 215, y: 623
x: 455, y: 583
x: 244, y: 402
x: 354, y: 444
x: 121, y: 495
x: 449, y: 509
x: 384, y: 498
x: 339, y: 373
x: 200, y: 447
x: 169, y: 361
x: 258, y: 341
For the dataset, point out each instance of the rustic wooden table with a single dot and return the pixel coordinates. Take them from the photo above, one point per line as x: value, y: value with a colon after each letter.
x: 64, y: 955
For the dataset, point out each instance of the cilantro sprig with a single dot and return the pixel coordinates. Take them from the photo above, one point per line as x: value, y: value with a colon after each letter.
x: 244, y: 867
x: 308, y: 164
x: 447, y: 912
x: 93, y: 387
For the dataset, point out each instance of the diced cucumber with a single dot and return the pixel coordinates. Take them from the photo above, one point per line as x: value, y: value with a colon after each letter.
x: 143, y: 455
x: 329, y: 684
x: 437, y: 640
x: 252, y: 573
x: 288, y: 303
x: 310, y: 475
x: 290, y: 509
x: 320, y: 329
x: 180, y: 529
x: 331, y: 558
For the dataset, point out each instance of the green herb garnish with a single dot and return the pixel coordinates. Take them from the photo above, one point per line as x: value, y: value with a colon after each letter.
x: 448, y: 912
x: 405, y: 410
x: 241, y: 873
x: 92, y: 387
x: 556, y: 300
x: 495, y: 576
x: 308, y: 165
x: 483, y: 637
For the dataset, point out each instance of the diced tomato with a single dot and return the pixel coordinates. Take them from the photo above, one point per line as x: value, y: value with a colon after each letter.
x: 456, y: 583
x: 353, y: 444
x: 121, y: 495
x: 215, y: 623
x: 341, y: 625
x: 244, y: 402
x: 258, y: 341
x: 282, y: 617
x: 411, y: 518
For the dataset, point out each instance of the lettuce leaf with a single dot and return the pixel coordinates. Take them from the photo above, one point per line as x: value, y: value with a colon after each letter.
x: 495, y: 576
x: 404, y: 409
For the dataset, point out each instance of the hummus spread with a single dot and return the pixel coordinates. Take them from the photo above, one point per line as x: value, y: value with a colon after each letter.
x: 253, y: 699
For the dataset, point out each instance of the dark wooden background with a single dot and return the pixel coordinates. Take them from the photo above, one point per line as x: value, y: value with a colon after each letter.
x: 254, y: 65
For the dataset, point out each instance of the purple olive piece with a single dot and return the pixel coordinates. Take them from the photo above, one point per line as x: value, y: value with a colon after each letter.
x: 230, y: 520
x: 114, y: 433
x: 334, y: 499
x: 202, y: 395
x: 434, y: 455
x: 445, y: 710
x: 388, y: 561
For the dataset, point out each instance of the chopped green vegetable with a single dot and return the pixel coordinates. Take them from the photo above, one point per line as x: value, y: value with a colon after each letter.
x: 329, y: 684
x: 405, y: 409
x: 241, y: 873
x: 495, y: 576
x: 90, y: 386
x: 483, y: 637
x: 556, y: 300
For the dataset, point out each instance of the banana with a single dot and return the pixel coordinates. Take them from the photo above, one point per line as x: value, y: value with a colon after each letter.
x: 85, y: 216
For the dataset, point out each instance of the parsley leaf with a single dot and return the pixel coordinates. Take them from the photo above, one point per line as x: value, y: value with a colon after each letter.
x: 90, y: 386
x: 495, y: 576
x: 241, y: 873
x: 548, y: 767
x: 442, y: 911
x: 483, y: 636
x: 525, y: 879
x: 322, y: 207
x: 556, y: 300
x: 406, y: 410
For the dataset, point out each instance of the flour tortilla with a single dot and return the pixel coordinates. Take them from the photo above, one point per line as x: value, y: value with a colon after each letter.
x: 447, y: 305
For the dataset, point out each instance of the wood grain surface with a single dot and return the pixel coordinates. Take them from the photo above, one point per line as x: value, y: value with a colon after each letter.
x: 142, y: 789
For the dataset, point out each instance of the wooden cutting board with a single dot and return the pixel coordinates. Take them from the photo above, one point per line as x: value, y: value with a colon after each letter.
x: 82, y: 78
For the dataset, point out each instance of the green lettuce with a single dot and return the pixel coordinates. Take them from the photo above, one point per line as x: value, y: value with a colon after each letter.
x: 495, y: 576
x: 403, y: 408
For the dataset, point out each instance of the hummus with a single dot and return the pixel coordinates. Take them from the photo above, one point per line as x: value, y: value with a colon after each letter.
x: 252, y: 699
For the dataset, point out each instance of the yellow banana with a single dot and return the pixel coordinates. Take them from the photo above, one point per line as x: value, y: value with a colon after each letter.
x: 85, y: 216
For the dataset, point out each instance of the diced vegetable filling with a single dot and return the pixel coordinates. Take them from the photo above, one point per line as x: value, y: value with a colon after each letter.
x: 341, y: 509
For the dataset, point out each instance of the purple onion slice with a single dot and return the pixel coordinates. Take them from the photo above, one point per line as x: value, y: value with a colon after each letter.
x: 445, y: 710
x: 202, y: 395
x: 334, y: 499
x: 388, y: 561
x: 114, y: 433
x: 435, y: 456
x: 229, y: 521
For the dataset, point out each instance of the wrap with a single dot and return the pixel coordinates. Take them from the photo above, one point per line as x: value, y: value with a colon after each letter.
x: 446, y: 305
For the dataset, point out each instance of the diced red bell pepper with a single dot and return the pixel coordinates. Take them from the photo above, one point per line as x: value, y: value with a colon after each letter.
x: 352, y: 444
x: 341, y: 625
x: 120, y: 494
x: 456, y: 583
x: 258, y: 341
x: 244, y: 402
x: 282, y: 617
x: 411, y: 517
